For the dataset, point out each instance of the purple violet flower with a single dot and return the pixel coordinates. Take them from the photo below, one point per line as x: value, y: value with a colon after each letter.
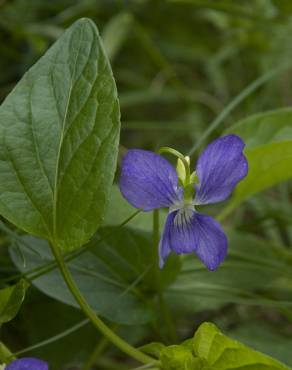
x: 27, y: 363
x: 148, y: 181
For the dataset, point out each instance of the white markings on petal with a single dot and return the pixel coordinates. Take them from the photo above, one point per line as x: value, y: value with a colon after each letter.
x: 184, y: 215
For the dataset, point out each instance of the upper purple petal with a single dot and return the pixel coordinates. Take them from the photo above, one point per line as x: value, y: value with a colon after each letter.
x: 148, y: 180
x: 220, y: 167
x: 27, y: 364
x: 198, y: 233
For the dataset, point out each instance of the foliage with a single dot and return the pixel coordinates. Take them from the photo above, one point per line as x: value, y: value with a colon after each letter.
x: 210, y: 349
x: 187, y: 71
x: 11, y: 299
x: 62, y: 113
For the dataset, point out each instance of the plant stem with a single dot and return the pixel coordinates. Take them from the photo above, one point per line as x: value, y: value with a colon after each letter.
x: 165, y: 312
x: 226, y: 211
x: 166, y: 149
x: 96, y: 321
x: 100, y: 347
x: 47, y: 267
x: 50, y: 340
x: 155, y: 235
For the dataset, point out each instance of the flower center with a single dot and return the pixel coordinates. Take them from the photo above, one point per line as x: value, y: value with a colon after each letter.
x: 184, y: 215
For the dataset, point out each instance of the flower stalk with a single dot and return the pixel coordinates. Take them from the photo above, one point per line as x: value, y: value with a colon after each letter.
x: 89, y: 312
x: 163, y: 307
x: 184, y: 160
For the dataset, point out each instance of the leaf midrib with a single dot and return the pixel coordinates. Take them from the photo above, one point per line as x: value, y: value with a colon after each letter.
x: 55, y: 189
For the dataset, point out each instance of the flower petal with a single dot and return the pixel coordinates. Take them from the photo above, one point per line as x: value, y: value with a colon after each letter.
x: 193, y: 233
x: 148, y: 181
x: 27, y: 364
x: 220, y: 167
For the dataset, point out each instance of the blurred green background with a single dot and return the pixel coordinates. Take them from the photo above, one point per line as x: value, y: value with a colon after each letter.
x: 177, y: 65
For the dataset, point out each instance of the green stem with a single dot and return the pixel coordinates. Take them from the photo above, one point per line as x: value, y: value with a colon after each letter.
x: 47, y: 267
x: 48, y: 341
x: 158, y: 58
x: 165, y: 312
x: 98, y: 350
x: 176, y: 153
x: 155, y: 230
x: 226, y: 211
x: 96, y: 321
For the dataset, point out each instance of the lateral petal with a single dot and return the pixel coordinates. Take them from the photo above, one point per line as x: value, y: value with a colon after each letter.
x: 148, y: 180
x: 220, y: 167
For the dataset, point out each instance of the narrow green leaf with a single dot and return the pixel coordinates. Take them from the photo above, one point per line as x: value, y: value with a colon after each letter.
x: 11, y: 299
x: 59, y: 131
x: 254, y: 270
x: 115, y: 33
x: 268, y: 138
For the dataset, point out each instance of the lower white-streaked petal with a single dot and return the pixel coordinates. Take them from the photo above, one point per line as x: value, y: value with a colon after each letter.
x: 187, y: 231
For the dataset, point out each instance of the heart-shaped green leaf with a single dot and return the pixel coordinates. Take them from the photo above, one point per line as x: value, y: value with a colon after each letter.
x: 59, y: 131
